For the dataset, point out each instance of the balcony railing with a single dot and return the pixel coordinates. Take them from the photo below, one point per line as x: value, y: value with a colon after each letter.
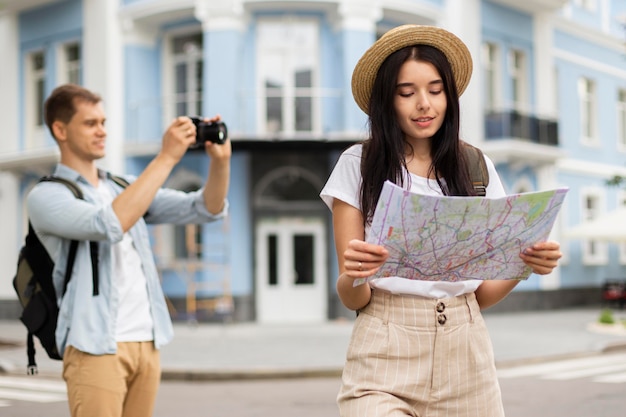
x: 514, y: 125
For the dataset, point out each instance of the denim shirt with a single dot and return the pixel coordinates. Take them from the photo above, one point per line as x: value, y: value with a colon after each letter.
x: 85, y: 321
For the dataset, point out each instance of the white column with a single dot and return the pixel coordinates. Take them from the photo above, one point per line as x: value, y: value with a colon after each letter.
x: 357, y: 22
x: 103, y: 54
x: 547, y: 179
x: 9, y: 83
x: 12, y: 231
x: 545, y: 93
x: 220, y: 15
x: 9, y: 183
x: 462, y: 17
x: 360, y: 15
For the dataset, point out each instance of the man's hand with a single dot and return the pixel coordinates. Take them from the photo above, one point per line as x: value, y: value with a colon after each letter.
x: 177, y: 138
x: 216, y: 151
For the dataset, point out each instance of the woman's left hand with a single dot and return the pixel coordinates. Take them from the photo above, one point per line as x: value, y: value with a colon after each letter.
x: 542, y: 257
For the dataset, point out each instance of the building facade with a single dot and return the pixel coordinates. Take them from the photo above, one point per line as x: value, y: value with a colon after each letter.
x: 547, y: 102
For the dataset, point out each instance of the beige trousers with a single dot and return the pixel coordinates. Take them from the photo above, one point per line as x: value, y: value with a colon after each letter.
x: 120, y: 385
x: 415, y: 356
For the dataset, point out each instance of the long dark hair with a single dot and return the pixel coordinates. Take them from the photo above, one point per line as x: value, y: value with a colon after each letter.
x: 384, y: 151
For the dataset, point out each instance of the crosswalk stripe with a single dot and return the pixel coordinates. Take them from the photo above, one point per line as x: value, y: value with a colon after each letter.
x: 582, y: 373
x: 612, y: 379
x: 4, y: 403
x: 559, y: 366
x: 33, y: 384
x: 40, y: 397
x: 605, y: 368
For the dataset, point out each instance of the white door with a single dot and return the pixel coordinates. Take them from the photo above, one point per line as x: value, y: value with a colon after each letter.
x: 291, y: 270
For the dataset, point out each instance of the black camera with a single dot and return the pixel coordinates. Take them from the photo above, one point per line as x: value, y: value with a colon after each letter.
x: 208, y: 132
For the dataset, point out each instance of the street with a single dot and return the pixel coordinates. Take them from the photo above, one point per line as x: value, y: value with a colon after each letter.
x: 581, y: 387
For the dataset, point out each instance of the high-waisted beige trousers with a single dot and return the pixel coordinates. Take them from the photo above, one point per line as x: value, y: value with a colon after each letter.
x: 416, y: 356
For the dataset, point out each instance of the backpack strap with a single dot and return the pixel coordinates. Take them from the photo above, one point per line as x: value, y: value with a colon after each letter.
x: 118, y: 180
x: 479, y: 173
x: 93, y: 246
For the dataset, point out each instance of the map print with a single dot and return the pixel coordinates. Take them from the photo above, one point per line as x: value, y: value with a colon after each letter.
x: 460, y: 238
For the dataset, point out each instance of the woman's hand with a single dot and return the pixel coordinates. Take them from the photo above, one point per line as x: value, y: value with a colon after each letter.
x: 362, y: 259
x: 542, y: 257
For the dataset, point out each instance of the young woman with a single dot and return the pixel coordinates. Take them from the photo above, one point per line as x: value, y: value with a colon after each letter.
x: 418, y: 348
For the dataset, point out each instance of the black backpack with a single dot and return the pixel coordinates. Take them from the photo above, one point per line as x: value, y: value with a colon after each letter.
x: 34, y: 287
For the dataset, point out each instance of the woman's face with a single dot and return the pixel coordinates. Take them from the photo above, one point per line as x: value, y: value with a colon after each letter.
x: 420, y: 100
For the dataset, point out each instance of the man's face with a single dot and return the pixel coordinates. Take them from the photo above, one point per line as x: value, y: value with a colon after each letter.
x: 85, y: 135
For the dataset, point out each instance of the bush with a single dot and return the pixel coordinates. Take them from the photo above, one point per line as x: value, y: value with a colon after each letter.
x: 606, y: 317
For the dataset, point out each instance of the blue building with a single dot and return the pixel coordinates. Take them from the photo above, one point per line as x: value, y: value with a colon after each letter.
x: 547, y: 102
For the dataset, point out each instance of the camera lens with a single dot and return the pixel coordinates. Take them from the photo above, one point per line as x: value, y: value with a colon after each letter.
x: 208, y: 132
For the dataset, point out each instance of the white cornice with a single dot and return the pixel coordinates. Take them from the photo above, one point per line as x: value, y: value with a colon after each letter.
x: 590, y: 63
x: 592, y: 35
x: 595, y: 169
x: 533, y: 6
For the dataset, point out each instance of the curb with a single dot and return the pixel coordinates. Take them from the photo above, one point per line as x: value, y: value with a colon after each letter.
x: 255, y: 374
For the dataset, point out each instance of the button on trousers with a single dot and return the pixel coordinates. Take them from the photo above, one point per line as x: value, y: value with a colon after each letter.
x: 415, y: 356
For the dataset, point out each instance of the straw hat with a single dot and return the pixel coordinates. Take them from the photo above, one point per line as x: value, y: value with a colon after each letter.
x: 397, y: 38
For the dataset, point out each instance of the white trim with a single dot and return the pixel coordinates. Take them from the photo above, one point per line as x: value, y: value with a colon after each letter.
x: 588, y: 114
x: 581, y: 31
x: 591, y: 169
x: 63, y: 64
x: 621, y: 202
x: 289, y: 93
x: 598, y: 195
x: 167, y: 65
x: 621, y: 119
x: 34, y: 134
x: 590, y: 63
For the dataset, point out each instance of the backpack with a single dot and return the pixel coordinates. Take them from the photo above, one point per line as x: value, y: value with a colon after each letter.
x: 35, y: 289
x: 479, y: 173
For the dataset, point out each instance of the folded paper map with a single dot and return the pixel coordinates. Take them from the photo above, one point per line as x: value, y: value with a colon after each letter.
x: 459, y: 238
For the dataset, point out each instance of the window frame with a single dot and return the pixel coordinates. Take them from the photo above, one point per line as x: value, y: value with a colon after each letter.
x: 65, y: 66
x: 588, y: 113
x: 35, y: 95
x: 291, y: 92
x: 621, y: 202
x: 491, y: 54
x: 621, y: 119
x: 594, y: 252
x: 519, y: 79
x: 170, y: 60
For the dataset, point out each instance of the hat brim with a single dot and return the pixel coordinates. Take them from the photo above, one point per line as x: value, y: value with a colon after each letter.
x: 397, y: 38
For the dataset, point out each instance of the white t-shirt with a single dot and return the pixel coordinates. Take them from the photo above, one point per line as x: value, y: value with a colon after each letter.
x: 134, y: 319
x: 344, y: 184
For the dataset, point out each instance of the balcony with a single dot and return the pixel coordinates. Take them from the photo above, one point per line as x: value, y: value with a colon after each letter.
x: 512, y: 136
x: 512, y: 124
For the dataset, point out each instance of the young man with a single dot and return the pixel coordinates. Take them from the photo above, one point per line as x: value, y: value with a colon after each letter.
x: 111, y: 324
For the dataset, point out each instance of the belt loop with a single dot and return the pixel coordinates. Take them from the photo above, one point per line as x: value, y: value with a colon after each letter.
x: 469, y: 309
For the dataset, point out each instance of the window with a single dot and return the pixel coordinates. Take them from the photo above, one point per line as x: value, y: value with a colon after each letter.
x: 491, y: 75
x: 34, y: 100
x: 187, y: 75
x: 621, y: 120
x: 517, y: 72
x: 70, y: 64
x: 588, y: 120
x: 621, y: 203
x: 287, y: 77
x: 594, y: 252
